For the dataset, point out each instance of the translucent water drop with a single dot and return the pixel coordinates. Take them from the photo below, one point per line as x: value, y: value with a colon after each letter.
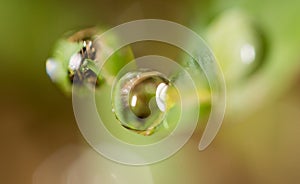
x: 76, y: 59
x: 238, y: 44
x: 140, y: 100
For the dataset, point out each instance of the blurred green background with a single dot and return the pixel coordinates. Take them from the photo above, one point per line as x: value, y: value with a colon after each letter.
x: 258, y: 142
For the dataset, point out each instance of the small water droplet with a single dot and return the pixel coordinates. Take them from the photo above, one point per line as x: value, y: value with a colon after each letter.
x: 76, y: 60
x: 238, y: 43
x: 140, y: 100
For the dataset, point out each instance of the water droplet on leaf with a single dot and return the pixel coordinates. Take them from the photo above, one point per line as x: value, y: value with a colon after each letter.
x: 76, y: 60
x: 238, y: 44
x: 140, y: 100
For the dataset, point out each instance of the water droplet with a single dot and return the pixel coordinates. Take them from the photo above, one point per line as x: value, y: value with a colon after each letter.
x: 238, y: 44
x: 140, y: 100
x: 76, y: 60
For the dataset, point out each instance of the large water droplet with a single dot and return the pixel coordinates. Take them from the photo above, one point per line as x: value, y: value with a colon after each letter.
x: 140, y: 100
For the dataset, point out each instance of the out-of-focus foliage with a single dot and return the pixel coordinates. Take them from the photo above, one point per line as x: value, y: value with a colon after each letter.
x: 37, y: 120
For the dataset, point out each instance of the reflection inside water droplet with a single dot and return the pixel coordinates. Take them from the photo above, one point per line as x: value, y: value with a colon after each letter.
x: 140, y: 100
x: 247, y: 53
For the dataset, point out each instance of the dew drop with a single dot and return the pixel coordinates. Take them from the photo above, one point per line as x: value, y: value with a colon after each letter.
x: 140, y: 100
x: 239, y: 44
x: 77, y: 57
